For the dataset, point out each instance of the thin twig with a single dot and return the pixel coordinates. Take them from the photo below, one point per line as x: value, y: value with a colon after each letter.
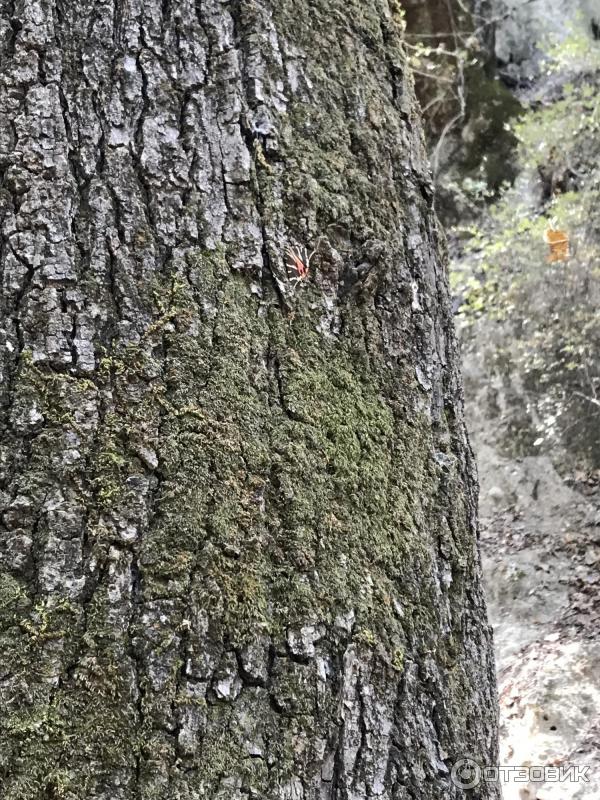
x: 592, y: 400
x: 432, y: 76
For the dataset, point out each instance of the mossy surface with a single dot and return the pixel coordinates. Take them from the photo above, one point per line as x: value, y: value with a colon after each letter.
x: 241, y: 557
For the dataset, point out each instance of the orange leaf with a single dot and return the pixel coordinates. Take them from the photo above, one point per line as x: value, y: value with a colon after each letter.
x: 559, y: 245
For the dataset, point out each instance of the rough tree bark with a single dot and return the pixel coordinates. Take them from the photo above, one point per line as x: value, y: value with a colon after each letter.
x: 238, y: 550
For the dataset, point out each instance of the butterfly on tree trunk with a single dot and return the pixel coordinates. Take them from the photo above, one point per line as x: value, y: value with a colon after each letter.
x: 297, y: 262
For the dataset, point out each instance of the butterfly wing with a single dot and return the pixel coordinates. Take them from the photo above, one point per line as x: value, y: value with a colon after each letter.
x: 296, y: 261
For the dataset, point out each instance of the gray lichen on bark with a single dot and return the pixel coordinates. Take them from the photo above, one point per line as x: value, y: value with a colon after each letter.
x: 238, y: 551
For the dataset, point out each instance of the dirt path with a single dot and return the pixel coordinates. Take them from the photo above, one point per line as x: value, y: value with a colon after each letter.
x: 541, y: 549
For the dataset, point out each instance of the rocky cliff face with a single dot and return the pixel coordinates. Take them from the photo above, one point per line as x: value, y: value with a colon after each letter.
x: 523, y: 27
x: 532, y: 394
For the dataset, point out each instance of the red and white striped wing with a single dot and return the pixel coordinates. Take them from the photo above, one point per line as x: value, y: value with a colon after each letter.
x: 296, y: 261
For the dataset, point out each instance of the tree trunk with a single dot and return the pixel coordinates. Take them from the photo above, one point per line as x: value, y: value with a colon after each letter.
x: 238, y: 551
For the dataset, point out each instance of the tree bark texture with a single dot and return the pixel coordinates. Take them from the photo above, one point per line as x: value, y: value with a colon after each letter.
x: 238, y: 546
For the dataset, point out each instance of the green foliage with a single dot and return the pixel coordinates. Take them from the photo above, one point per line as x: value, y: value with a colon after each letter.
x: 563, y: 131
x: 574, y: 53
x: 548, y: 330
